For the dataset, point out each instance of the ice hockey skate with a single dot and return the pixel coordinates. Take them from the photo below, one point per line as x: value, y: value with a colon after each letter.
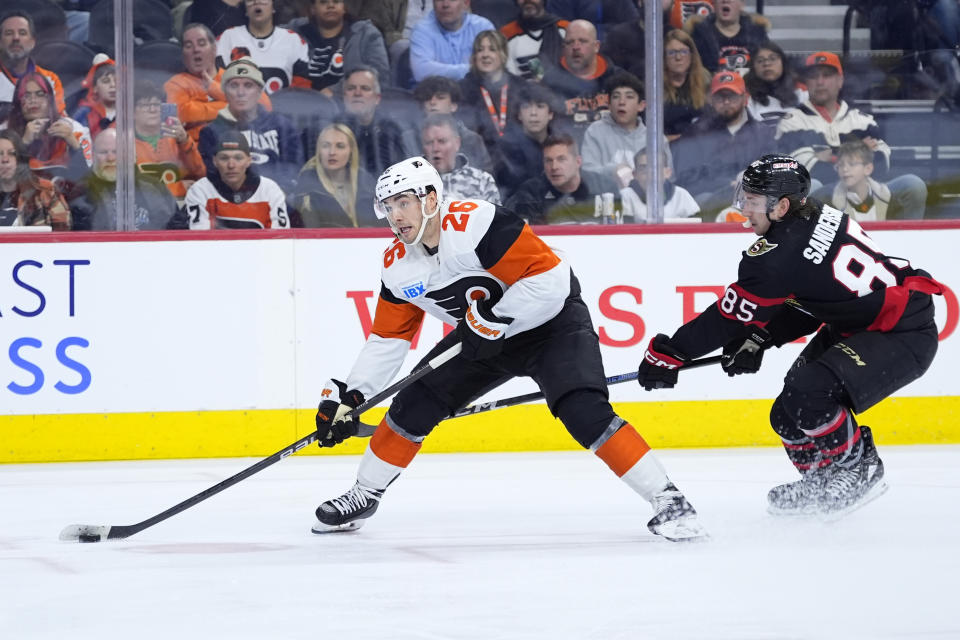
x: 349, y: 511
x: 800, y: 497
x: 850, y: 488
x: 674, y: 518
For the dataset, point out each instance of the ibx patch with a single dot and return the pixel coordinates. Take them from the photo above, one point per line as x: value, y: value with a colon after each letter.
x: 760, y: 247
x: 414, y: 290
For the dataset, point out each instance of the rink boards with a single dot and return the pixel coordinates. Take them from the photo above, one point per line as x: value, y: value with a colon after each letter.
x: 134, y: 346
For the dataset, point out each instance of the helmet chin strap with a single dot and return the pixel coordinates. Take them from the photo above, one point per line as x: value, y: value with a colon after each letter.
x: 423, y: 224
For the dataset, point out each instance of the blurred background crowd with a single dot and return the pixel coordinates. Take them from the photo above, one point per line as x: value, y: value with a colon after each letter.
x: 282, y: 113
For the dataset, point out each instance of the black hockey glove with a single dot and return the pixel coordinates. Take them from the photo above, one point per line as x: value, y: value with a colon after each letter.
x: 333, y: 424
x: 660, y: 365
x: 744, y: 355
x: 481, y: 331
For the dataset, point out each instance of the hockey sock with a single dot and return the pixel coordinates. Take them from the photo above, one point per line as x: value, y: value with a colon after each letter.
x: 838, y: 438
x: 804, y: 455
x: 389, y: 453
x: 628, y: 455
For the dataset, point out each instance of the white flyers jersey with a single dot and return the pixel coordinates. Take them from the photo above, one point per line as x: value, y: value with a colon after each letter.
x: 484, y: 252
x: 258, y: 204
x: 281, y: 56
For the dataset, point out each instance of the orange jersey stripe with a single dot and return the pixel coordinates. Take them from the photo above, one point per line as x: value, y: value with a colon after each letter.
x: 259, y: 211
x: 527, y: 256
x: 396, y: 320
x: 623, y: 450
x: 391, y: 447
x: 511, y: 29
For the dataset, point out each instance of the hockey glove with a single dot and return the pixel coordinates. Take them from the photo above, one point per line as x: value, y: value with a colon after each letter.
x: 744, y: 355
x: 660, y: 365
x: 333, y: 424
x: 481, y: 331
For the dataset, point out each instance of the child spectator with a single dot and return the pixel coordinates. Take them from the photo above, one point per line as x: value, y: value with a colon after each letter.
x: 858, y: 194
x: 677, y: 201
x: 442, y: 95
x: 25, y: 199
x: 164, y: 150
x: 520, y: 150
x: 333, y: 190
x: 98, y: 109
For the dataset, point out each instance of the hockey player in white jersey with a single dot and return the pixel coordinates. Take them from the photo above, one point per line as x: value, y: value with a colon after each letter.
x: 518, y: 312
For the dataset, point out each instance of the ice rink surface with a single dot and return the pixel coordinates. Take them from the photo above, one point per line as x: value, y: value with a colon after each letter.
x: 491, y: 546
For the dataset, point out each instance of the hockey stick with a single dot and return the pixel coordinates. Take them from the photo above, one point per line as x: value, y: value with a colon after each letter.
x: 483, y: 407
x: 96, y: 533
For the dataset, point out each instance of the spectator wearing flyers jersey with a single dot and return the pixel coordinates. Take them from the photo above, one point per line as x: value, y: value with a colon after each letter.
x: 534, y: 39
x: 281, y: 54
x: 234, y: 196
x: 338, y: 43
x: 726, y: 38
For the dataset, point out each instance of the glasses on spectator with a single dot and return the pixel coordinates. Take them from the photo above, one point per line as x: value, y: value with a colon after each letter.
x: 34, y: 95
x: 767, y: 59
x: 148, y: 106
x: 678, y: 53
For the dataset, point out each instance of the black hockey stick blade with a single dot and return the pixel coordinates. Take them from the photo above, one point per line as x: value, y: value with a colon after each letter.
x: 97, y: 533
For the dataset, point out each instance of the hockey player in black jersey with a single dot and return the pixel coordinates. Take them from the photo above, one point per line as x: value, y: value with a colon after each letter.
x: 812, y: 268
x: 518, y: 312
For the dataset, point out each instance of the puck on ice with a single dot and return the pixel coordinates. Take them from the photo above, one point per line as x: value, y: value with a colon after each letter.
x: 89, y: 537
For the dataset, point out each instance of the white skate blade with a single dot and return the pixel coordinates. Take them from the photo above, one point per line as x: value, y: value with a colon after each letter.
x: 682, y: 530
x: 875, y: 492
x: 809, y: 510
x: 321, y: 528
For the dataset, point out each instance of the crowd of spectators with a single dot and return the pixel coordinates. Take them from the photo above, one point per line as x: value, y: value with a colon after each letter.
x: 281, y: 113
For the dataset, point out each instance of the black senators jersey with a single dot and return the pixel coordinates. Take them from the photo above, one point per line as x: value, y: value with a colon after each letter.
x: 484, y: 252
x: 827, y: 268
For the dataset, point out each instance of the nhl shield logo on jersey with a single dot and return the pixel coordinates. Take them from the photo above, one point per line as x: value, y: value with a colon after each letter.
x: 760, y: 247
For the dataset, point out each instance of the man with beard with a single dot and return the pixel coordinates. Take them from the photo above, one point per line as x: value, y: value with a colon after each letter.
x: 338, y: 43
x: 534, y: 39
x: 720, y: 143
x: 94, y: 207
x: 18, y: 37
x: 197, y: 92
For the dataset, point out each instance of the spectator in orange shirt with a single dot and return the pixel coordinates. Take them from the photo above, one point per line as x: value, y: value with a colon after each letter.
x: 197, y: 91
x: 164, y: 150
x: 98, y: 109
x: 18, y: 37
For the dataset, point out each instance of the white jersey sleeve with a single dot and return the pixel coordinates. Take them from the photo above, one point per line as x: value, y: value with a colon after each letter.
x: 195, y: 203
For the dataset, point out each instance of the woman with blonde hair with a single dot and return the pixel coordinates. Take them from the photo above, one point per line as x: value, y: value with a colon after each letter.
x: 488, y: 87
x: 333, y: 190
x: 685, y: 85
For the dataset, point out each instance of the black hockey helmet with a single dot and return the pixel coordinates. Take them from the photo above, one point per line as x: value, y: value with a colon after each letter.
x: 777, y: 176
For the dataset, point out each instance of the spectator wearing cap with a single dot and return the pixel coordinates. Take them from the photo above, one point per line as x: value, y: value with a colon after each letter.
x: 441, y: 43
x: 94, y: 204
x: 580, y: 77
x: 534, y: 39
x: 726, y: 37
x: 442, y: 95
x: 97, y: 110
x: 18, y: 37
x: 281, y: 54
x: 163, y: 148
x: 234, y: 196
x: 441, y: 146
x: 198, y: 91
x: 338, y: 43
x: 275, y: 146
x: 723, y: 141
x: 813, y: 131
x: 614, y: 140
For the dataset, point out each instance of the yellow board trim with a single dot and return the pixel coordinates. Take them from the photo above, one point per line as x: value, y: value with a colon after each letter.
x: 216, y: 434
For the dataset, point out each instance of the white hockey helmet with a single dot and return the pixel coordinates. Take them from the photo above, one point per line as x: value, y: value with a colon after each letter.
x: 413, y: 174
